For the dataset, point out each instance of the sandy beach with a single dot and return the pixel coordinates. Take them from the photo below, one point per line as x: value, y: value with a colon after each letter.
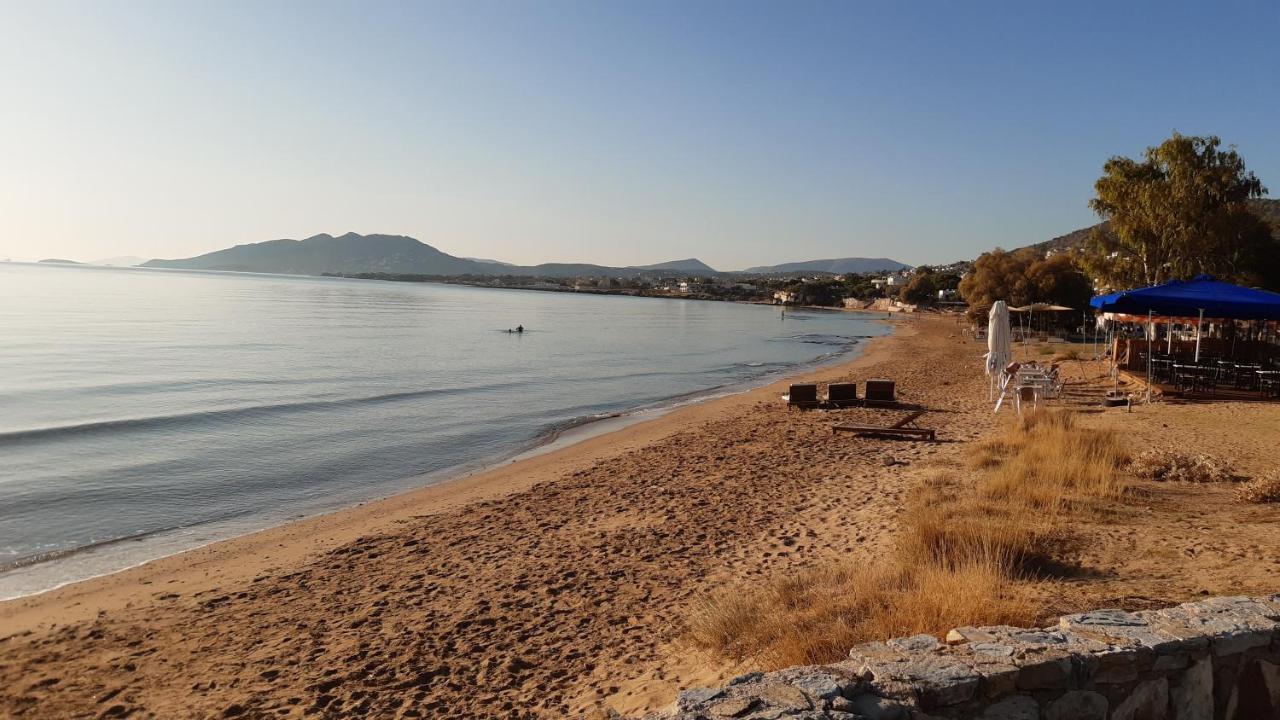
x: 556, y: 586
x: 537, y: 589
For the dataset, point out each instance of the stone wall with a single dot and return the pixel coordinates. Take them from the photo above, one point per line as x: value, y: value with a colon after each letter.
x: 1219, y: 658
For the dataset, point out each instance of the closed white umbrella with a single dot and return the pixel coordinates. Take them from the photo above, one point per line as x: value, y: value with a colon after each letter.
x: 999, y: 344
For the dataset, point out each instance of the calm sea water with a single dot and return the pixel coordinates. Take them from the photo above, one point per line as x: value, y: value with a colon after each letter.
x: 144, y: 412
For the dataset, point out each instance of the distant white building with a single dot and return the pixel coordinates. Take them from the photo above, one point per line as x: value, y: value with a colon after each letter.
x: 783, y: 297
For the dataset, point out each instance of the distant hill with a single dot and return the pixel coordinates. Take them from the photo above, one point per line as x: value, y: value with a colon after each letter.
x: 60, y: 261
x: 1266, y: 208
x: 837, y: 266
x: 1269, y: 210
x: 692, y: 266
x: 392, y: 254
x: 350, y: 253
x: 121, y: 261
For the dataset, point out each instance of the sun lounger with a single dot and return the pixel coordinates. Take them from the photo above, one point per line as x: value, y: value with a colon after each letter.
x: 802, y: 396
x: 904, y: 428
x: 880, y: 392
x: 842, y: 394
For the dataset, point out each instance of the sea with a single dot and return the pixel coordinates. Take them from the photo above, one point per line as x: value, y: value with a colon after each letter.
x: 144, y: 412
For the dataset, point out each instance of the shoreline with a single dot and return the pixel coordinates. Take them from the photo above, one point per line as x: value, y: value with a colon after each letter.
x: 554, y: 587
x: 560, y: 448
x: 563, y: 585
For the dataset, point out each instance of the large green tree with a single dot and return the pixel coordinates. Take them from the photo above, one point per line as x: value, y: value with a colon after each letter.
x: 1179, y: 211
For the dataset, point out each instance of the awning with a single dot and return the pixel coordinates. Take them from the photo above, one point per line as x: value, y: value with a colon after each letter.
x: 1202, y: 296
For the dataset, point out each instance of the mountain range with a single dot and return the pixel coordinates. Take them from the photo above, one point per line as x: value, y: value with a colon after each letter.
x: 397, y: 254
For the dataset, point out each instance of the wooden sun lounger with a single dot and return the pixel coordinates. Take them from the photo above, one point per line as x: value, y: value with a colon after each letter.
x: 802, y: 395
x: 841, y: 395
x: 902, y: 428
x: 880, y: 393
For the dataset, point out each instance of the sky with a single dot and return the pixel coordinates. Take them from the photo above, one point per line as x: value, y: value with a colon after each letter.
x: 742, y: 133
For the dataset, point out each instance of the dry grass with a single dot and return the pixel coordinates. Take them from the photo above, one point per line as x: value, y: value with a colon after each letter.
x: 966, y: 553
x: 1264, y: 489
x: 1046, y: 461
x: 948, y: 526
x: 1177, y: 467
x: 816, y: 615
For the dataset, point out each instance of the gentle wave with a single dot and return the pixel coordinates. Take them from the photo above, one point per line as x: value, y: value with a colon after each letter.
x: 64, y: 553
x: 234, y: 413
x: 153, y: 421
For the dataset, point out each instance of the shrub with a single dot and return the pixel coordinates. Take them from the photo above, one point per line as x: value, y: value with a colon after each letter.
x: 1264, y: 489
x: 1176, y: 467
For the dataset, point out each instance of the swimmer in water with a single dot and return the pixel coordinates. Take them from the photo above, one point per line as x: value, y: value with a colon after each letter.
x: 519, y: 328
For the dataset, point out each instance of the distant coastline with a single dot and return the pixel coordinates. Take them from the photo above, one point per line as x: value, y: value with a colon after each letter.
x: 712, y: 292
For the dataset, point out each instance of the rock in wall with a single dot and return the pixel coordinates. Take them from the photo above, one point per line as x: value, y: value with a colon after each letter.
x: 1213, y: 660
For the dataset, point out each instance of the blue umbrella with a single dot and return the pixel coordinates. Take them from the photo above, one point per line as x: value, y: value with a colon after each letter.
x: 1199, y: 296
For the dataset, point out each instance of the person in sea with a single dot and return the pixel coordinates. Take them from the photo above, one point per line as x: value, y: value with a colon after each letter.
x: 519, y: 329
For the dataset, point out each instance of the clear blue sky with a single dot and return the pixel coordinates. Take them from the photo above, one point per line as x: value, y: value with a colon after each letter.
x: 741, y: 133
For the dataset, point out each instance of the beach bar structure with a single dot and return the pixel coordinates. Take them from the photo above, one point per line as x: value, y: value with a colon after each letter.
x: 1242, y: 353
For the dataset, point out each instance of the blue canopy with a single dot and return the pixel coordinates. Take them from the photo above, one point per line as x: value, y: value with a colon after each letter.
x: 1187, y: 298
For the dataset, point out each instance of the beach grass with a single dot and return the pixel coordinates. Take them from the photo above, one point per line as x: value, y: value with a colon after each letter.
x: 1045, y: 461
x: 973, y: 541
x: 816, y: 615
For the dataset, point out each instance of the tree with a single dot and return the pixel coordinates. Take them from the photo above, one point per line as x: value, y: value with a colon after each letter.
x: 820, y: 292
x: 1180, y: 211
x: 1058, y: 280
x: 920, y: 288
x: 1022, y: 277
x: 926, y: 283
x: 998, y: 275
x: 861, y: 287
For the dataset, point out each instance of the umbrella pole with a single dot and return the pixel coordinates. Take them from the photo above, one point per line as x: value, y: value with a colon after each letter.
x: 1199, y: 322
x: 1151, y: 331
x: 1095, y: 338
